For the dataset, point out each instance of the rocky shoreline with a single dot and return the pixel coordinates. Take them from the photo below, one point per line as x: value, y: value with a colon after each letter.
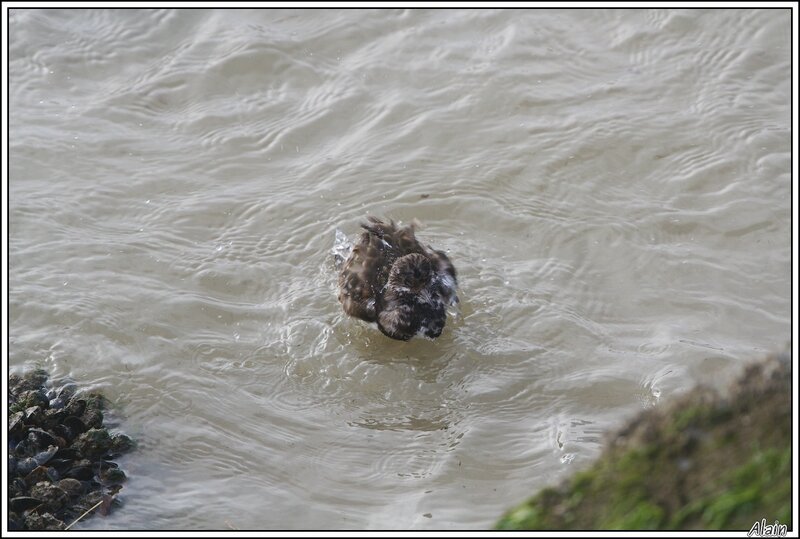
x: 60, y: 466
x: 707, y: 461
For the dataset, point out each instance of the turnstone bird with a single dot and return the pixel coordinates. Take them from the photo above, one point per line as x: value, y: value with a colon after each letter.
x: 393, y: 280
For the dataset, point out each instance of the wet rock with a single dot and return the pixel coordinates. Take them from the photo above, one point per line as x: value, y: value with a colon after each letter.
x: 50, y: 495
x: 113, y: 477
x: 58, y: 453
x: 120, y: 443
x: 93, y: 444
x: 87, y: 501
x: 29, y: 399
x: 72, y: 487
x: 109, y: 474
x: 92, y: 418
x: 75, y: 407
x: 44, y: 521
x: 33, y: 380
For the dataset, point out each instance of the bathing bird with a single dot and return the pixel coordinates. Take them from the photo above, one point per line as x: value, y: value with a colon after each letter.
x: 393, y: 280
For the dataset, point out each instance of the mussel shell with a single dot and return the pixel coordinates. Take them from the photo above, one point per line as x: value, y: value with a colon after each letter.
x: 42, y: 438
x: 64, y: 432
x: 23, y: 503
x: 15, y: 522
x: 41, y: 473
x: 26, y: 465
x: 53, y: 418
x: 70, y: 428
x: 25, y: 448
x: 33, y: 414
x: 81, y: 472
x: 17, y: 487
x: 76, y: 425
x: 44, y: 456
x: 104, y: 465
x: 56, y: 447
x: 61, y: 397
x: 67, y: 453
x: 59, y: 464
x: 16, y: 425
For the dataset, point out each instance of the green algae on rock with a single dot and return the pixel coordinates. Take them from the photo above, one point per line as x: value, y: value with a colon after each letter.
x: 705, y: 462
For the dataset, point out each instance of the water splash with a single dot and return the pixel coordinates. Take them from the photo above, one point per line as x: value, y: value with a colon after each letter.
x: 341, y: 249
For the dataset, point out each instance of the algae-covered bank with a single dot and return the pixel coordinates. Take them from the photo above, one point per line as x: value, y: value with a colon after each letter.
x: 707, y: 461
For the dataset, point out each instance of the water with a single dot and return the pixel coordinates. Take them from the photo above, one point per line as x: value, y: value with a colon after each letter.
x: 612, y: 186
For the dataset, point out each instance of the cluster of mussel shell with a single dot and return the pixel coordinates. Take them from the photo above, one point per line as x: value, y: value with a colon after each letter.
x: 59, y: 455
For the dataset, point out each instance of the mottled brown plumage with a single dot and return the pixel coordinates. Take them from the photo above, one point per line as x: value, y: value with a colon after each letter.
x: 391, y: 279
